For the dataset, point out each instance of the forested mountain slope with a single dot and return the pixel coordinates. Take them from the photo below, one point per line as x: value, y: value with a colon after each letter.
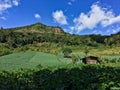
x: 40, y: 33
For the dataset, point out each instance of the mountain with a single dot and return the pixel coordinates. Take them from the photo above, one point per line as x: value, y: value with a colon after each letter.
x: 38, y: 28
x: 40, y: 33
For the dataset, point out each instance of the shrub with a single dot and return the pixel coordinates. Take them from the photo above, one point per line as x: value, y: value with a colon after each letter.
x: 74, y: 59
x: 66, y: 52
x: 88, y: 77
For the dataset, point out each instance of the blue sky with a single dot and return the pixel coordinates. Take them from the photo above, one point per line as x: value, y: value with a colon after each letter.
x: 74, y: 16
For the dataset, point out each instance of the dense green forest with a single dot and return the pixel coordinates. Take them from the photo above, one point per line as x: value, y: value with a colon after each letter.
x: 41, y: 35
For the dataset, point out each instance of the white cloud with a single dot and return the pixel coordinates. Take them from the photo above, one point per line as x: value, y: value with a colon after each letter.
x: 15, y: 2
x: 71, y: 28
x: 113, y: 30
x: 111, y: 21
x: 6, y: 4
x: 3, y: 18
x: 69, y: 3
x: 97, y: 15
x: 37, y: 16
x: 97, y: 32
x: 4, y: 7
x: 59, y: 17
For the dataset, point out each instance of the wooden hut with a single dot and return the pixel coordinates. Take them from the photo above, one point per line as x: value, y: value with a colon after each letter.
x: 91, y: 60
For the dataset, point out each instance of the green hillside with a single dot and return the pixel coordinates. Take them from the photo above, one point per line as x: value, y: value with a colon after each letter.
x: 36, y: 49
x: 28, y: 60
x: 50, y: 39
x: 38, y: 28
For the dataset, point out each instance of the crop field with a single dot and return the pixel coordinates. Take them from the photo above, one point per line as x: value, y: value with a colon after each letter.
x: 109, y: 60
x: 30, y: 60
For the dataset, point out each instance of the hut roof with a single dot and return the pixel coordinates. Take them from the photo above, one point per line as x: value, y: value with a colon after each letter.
x: 90, y: 60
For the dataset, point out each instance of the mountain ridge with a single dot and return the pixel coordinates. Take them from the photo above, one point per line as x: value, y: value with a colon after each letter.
x: 37, y: 28
x: 42, y: 28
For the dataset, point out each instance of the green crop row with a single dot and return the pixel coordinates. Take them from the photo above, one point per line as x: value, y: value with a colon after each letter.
x: 110, y: 59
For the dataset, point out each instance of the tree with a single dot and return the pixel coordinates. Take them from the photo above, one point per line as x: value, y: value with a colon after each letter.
x: 66, y: 52
x: 1, y: 28
x: 86, y: 51
x: 106, y: 41
x: 74, y: 59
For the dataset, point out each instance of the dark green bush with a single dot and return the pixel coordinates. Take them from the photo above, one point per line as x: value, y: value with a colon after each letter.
x: 89, y: 77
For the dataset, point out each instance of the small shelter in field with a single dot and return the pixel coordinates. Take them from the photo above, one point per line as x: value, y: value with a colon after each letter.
x: 91, y: 60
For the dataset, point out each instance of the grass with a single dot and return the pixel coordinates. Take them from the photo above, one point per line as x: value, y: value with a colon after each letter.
x: 113, y: 64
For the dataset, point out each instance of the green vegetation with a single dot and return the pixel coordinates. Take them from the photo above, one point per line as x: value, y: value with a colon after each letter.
x: 71, y: 78
x: 33, y: 58
x: 67, y: 52
x: 39, y: 35
x: 28, y: 60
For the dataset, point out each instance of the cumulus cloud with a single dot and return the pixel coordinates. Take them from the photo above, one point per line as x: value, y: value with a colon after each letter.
x: 59, y: 17
x: 111, y: 21
x: 37, y: 16
x: 6, y: 4
x: 97, y: 15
